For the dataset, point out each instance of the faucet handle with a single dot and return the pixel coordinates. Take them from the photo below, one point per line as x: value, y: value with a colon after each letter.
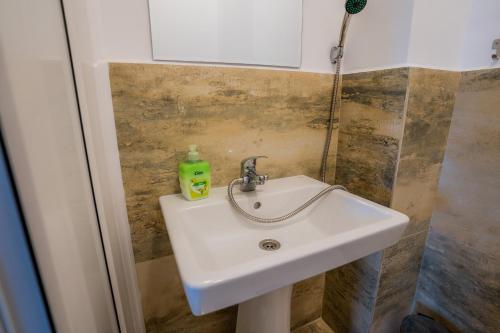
x: 250, y: 162
x: 261, y: 180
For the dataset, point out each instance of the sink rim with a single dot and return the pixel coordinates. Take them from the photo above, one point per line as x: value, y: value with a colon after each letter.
x: 195, y: 277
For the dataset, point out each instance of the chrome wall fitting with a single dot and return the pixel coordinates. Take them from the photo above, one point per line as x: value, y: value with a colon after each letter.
x: 496, y: 46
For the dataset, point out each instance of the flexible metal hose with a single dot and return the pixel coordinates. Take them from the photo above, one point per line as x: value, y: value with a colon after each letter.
x: 251, y: 217
x: 337, y: 60
x: 333, y: 109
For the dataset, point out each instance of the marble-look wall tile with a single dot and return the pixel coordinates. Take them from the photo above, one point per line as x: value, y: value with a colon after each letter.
x: 166, y: 309
x: 468, y: 208
x: 230, y: 112
x: 482, y: 81
x: 371, y: 119
x: 350, y: 294
x: 317, y: 326
x: 165, y: 306
x: 392, y: 137
x: 459, y: 283
x: 429, y: 107
x: 397, y: 283
x: 431, y: 97
x: 370, y: 134
x: 307, y: 299
x: 459, y: 286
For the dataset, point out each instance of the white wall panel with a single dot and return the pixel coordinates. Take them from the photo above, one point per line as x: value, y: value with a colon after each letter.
x: 41, y: 128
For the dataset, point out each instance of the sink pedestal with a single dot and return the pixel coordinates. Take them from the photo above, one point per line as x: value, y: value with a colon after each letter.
x: 269, y: 313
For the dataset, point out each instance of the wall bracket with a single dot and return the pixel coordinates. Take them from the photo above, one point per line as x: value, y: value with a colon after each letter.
x: 496, y: 46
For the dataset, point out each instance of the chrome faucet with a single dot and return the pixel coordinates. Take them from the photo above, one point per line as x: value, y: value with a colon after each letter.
x: 249, y: 176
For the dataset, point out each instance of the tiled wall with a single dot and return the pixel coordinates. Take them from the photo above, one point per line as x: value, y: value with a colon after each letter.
x: 431, y: 96
x: 393, y: 133
x: 231, y: 113
x: 459, y: 282
x: 372, y: 116
x: 371, y: 130
x: 393, y: 130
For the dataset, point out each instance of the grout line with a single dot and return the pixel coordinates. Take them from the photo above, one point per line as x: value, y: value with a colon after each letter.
x: 401, y: 141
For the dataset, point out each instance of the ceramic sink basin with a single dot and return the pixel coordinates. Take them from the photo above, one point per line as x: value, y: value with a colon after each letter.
x: 217, y: 250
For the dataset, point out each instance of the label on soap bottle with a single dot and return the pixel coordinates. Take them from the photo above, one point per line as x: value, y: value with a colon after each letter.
x: 198, y: 188
x: 199, y: 185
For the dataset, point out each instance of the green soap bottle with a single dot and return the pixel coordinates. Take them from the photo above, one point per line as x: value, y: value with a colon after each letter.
x: 194, y: 176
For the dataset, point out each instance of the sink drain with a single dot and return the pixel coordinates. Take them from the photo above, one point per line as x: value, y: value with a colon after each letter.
x: 269, y: 244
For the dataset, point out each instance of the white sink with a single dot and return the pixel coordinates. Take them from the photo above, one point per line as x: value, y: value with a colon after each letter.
x: 218, y: 254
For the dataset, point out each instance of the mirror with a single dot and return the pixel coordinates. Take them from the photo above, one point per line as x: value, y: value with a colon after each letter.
x: 258, y: 32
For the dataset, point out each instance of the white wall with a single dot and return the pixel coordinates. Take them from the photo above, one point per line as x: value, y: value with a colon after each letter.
x: 482, y: 27
x: 454, y: 34
x: 447, y: 34
x: 437, y: 33
x: 378, y: 36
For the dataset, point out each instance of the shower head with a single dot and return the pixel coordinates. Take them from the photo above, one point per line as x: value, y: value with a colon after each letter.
x: 354, y: 6
x: 351, y: 7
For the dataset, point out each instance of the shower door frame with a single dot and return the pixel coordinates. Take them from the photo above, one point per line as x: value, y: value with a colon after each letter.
x: 84, y: 26
x: 44, y: 119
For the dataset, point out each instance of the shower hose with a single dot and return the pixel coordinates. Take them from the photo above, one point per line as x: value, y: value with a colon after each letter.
x: 324, y: 160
